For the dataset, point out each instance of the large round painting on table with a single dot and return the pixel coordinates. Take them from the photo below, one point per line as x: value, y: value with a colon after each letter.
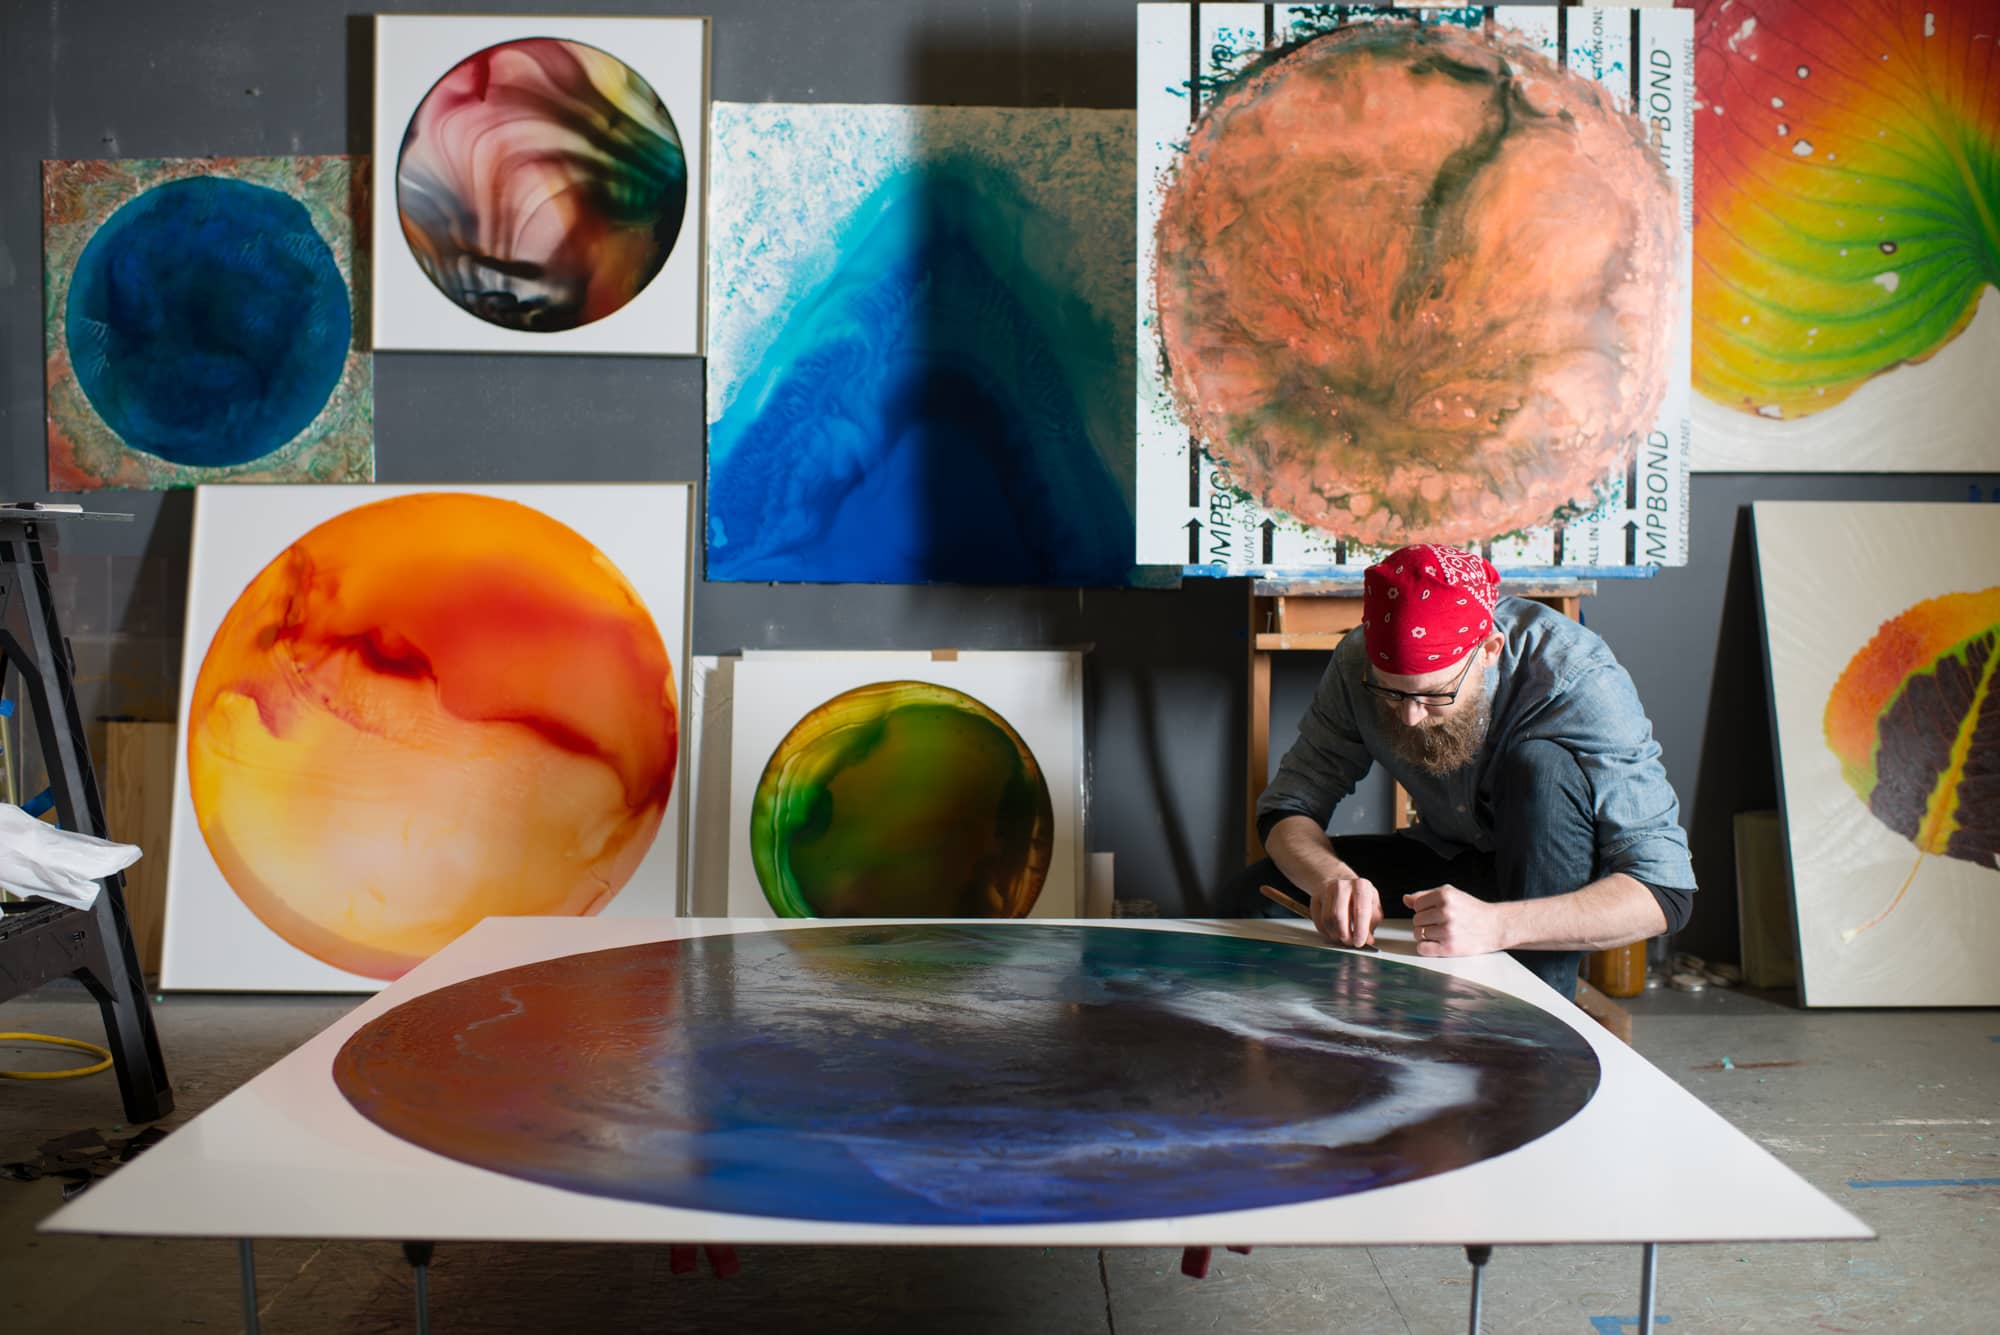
x: 902, y: 799
x: 427, y: 710
x: 541, y: 184
x: 968, y: 1073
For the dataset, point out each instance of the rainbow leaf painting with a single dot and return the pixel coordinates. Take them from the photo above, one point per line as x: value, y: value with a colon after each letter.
x: 1847, y: 184
x: 1915, y: 722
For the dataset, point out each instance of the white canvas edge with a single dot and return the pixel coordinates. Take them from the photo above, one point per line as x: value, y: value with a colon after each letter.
x: 287, y: 1156
x: 845, y: 670
x: 187, y: 845
x: 408, y: 313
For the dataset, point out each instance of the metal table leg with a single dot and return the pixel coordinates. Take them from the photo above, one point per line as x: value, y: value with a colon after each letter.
x: 1479, y: 1256
x: 1647, y: 1276
x: 418, y: 1254
x: 249, y: 1265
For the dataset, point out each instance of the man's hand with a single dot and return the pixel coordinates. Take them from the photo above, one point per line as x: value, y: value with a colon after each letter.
x: 1451, y: 922
x: 1346, y: 908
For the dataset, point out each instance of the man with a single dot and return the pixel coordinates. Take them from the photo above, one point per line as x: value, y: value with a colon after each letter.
x: 1546, y: 826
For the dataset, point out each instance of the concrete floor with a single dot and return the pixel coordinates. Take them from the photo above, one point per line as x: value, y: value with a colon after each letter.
x: 1841, y: 1097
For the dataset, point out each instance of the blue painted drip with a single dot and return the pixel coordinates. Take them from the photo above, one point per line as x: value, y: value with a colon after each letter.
x: 207, y: 321
x: 925, y: 416
x: 1927, y: 1182
x: 1615, y: 1325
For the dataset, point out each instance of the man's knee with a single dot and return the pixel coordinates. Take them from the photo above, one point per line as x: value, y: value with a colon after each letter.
x: 1541, y: 768
x: 1544, y: 820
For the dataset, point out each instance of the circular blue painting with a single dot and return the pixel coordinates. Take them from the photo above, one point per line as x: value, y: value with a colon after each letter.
x: 986, y: 1074
x: 208, y: 321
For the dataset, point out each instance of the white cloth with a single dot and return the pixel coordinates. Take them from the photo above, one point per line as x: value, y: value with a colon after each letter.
x: 38, y: 859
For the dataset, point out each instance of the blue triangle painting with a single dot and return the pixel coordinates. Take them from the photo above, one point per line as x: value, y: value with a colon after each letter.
x: 921, y: 354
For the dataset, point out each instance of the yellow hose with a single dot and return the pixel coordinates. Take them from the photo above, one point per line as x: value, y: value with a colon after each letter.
x: 53, y: 1041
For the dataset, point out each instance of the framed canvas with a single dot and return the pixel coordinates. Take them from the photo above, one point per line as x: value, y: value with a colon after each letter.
x: 1882, y: 649
x: 1846, y: 317
x: 404, y: 709
x: 1413, y: 276
x: 206, y: 321
x: 539, y: 183
x: 905, y: 784
x: 920, y: 370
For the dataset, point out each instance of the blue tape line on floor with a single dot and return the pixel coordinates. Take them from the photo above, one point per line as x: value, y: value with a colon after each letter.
x: 1930, y: 1182
x: 1615, y: 1325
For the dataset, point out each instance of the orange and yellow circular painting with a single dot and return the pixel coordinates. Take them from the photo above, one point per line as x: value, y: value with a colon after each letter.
x: 428, y: 710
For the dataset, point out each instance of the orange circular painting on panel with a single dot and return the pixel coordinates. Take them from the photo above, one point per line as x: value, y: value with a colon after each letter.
x: 428, y: 710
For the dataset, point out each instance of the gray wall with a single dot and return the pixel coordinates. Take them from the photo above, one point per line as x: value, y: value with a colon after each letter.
x: 172, y: 78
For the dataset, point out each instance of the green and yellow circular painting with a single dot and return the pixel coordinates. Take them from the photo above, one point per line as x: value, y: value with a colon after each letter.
x: 902, y: 799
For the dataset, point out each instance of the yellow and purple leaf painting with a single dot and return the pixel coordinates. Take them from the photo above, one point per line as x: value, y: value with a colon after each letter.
x: 1914, y: 720
x: 427, y: 710
x: 541, y: 184
x: 902, y: 799
x: 1847, y: 193
x: 203, y: 322
x: 1417, y: 280
x: 966, y: 1074
x: 920, y: 364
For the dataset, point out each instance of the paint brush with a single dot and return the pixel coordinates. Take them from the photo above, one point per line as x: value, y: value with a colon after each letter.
x: 1277, y: 896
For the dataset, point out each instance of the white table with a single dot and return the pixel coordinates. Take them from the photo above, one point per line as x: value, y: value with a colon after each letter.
x: 286, y: 1155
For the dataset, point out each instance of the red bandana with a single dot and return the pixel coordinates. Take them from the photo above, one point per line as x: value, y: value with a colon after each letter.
x: 1425, y: 608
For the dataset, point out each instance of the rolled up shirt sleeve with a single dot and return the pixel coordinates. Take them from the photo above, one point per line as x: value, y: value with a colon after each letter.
x: 1328, y: 759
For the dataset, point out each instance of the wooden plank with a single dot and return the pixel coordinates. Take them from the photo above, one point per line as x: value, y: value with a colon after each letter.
x: 138, y: 807
x: 1330, y: 615
x: 1402, y: 805
x: 1278, y: 643
x: 1258, y: 769
x: 1605, y: 1011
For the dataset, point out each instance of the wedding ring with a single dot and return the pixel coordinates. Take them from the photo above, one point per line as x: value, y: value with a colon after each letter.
x: 1420, y: 934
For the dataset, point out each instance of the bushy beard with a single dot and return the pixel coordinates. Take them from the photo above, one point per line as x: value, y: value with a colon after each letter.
x: 1443, y: 747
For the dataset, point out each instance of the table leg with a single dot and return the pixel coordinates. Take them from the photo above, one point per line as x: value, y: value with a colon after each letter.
x: 1648, y: 1274
x: 418, y: 1254
x: 1479, y: 1256
x: 249, y: 1265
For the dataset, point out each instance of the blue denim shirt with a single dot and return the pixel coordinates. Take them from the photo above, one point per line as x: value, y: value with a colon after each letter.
x: 1557, y: 681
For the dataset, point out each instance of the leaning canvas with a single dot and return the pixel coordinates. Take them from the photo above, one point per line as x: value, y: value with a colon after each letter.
x: 1882, y: 649
x: 1413, y: 275
x: 539, y: 183
x: 920, y: 369
x: 1847, y: 185
x: 404, y: 709
x: 206, y: 321
x: 904, y: 785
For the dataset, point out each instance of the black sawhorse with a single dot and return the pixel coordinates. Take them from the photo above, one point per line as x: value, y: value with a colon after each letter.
x: 39, y: 940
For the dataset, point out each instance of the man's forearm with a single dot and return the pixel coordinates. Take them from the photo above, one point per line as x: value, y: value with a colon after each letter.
x: 1303, y: 852
x: 1609, y: 912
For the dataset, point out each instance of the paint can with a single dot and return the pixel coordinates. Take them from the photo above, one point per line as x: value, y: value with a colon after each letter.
x: 1619, y: 971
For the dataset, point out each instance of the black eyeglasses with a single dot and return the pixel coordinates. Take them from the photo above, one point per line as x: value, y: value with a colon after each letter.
x: 1395, y: 697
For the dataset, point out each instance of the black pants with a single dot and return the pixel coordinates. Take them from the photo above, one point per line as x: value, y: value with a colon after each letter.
x: 1545, y: 841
